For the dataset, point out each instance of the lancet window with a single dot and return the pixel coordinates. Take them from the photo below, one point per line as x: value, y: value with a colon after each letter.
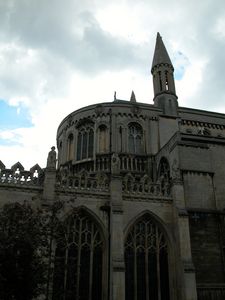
x: 70, y: 147
x: 146, y: 261
x: 85, y: 142
x: 135, y: 138
x: 78, y: 263
x: 102, y: 139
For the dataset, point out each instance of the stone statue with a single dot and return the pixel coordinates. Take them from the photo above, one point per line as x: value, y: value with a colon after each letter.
x: 51, y: 161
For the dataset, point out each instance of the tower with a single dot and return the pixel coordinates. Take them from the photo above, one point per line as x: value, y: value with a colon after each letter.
x: 163, y: 79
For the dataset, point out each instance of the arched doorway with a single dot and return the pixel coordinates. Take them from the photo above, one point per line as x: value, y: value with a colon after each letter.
x: 146, y: 261
x: 78, y: 265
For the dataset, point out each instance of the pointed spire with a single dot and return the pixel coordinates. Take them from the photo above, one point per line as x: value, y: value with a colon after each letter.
x: 160, y: 55
x: 163, y: 80
x: 133, y: 97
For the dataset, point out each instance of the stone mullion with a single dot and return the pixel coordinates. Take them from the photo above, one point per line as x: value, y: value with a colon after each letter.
x: 158, y: 264
x: 135, y: 267
x: 65, y: 274
x: 146, y: 263
x: 91, y: 263
x: 88, y: 141
x: 78, y: 260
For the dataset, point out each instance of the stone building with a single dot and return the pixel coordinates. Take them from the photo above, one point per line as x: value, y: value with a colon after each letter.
x: 142, y: 197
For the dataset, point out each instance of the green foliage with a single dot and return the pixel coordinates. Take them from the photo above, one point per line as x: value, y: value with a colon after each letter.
x: 23, y: 252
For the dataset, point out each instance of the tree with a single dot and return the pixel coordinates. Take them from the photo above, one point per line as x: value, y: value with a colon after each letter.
x: 23, y: 252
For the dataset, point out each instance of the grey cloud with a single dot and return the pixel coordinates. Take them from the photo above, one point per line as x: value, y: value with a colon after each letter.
x: 67, y: 31
x: 67, y: 36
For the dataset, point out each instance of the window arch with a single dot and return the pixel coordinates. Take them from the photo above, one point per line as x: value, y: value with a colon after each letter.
x: 78, y: 264
x: 146, y: 261
x: 85, y: 142
x: 135, y: 138
x: 70, y: 147
x: 102, y: 139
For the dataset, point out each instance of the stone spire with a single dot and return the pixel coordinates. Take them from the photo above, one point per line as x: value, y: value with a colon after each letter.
x: 160, y: 55
x: 163, y: 79
x: 133, y: 97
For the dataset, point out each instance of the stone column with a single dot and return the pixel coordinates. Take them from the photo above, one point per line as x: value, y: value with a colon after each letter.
x: 50, y: 176
x: 117, y: 237
x: 189, y: 291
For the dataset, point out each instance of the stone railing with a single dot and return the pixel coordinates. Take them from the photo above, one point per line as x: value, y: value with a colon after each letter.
x: 133, y: 163
x: 211, y: 292
x: 102, y: 162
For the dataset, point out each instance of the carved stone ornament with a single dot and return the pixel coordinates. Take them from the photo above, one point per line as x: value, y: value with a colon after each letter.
x: 115, y: 163
x: 135, y: 109
x: 69, y: 121
x: 175, y: 170
x: 99, y: 110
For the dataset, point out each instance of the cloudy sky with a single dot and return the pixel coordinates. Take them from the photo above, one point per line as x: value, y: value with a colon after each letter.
x: 57, y: 56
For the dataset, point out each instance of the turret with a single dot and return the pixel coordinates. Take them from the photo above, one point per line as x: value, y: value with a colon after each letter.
x: 163, y: 79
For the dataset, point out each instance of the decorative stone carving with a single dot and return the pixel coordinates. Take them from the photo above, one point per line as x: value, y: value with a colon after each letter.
x: 175, y: 170
x: 135, y: 109
x: 115, y: 163
x: 69, y: 121
x: 99, y: 110
x: 83, y: 180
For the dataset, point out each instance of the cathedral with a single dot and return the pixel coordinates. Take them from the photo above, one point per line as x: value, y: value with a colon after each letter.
x: 141, y: 196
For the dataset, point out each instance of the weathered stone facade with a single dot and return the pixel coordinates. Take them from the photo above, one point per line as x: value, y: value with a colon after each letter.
x: 147, y: 180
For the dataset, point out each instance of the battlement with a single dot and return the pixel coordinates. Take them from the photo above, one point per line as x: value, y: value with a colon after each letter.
x: 17, y: 175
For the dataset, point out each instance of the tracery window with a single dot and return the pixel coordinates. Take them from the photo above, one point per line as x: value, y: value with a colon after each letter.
x: 78, y: 261
x: 146, y: 261
x: 70, y: 147
x: 85, y: 142
x: 135, y: 138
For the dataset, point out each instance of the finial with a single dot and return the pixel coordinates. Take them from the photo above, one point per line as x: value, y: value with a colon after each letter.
x: 115, y: 96
x: 133, y: 97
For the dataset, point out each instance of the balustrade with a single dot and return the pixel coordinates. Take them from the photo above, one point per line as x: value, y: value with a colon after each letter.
x: 133, y: 163
x: 211, y: 293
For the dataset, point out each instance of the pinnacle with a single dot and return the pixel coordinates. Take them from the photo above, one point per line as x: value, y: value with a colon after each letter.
x: 132, y: 97
x: 160, y: 55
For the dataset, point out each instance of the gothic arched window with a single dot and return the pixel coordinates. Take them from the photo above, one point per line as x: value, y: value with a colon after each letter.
x: 102, y: 139
x: 135, y: 138
x: 146, y: 261
x: 85, y: 142
x: 78, y: 263
x: 70, y: 147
